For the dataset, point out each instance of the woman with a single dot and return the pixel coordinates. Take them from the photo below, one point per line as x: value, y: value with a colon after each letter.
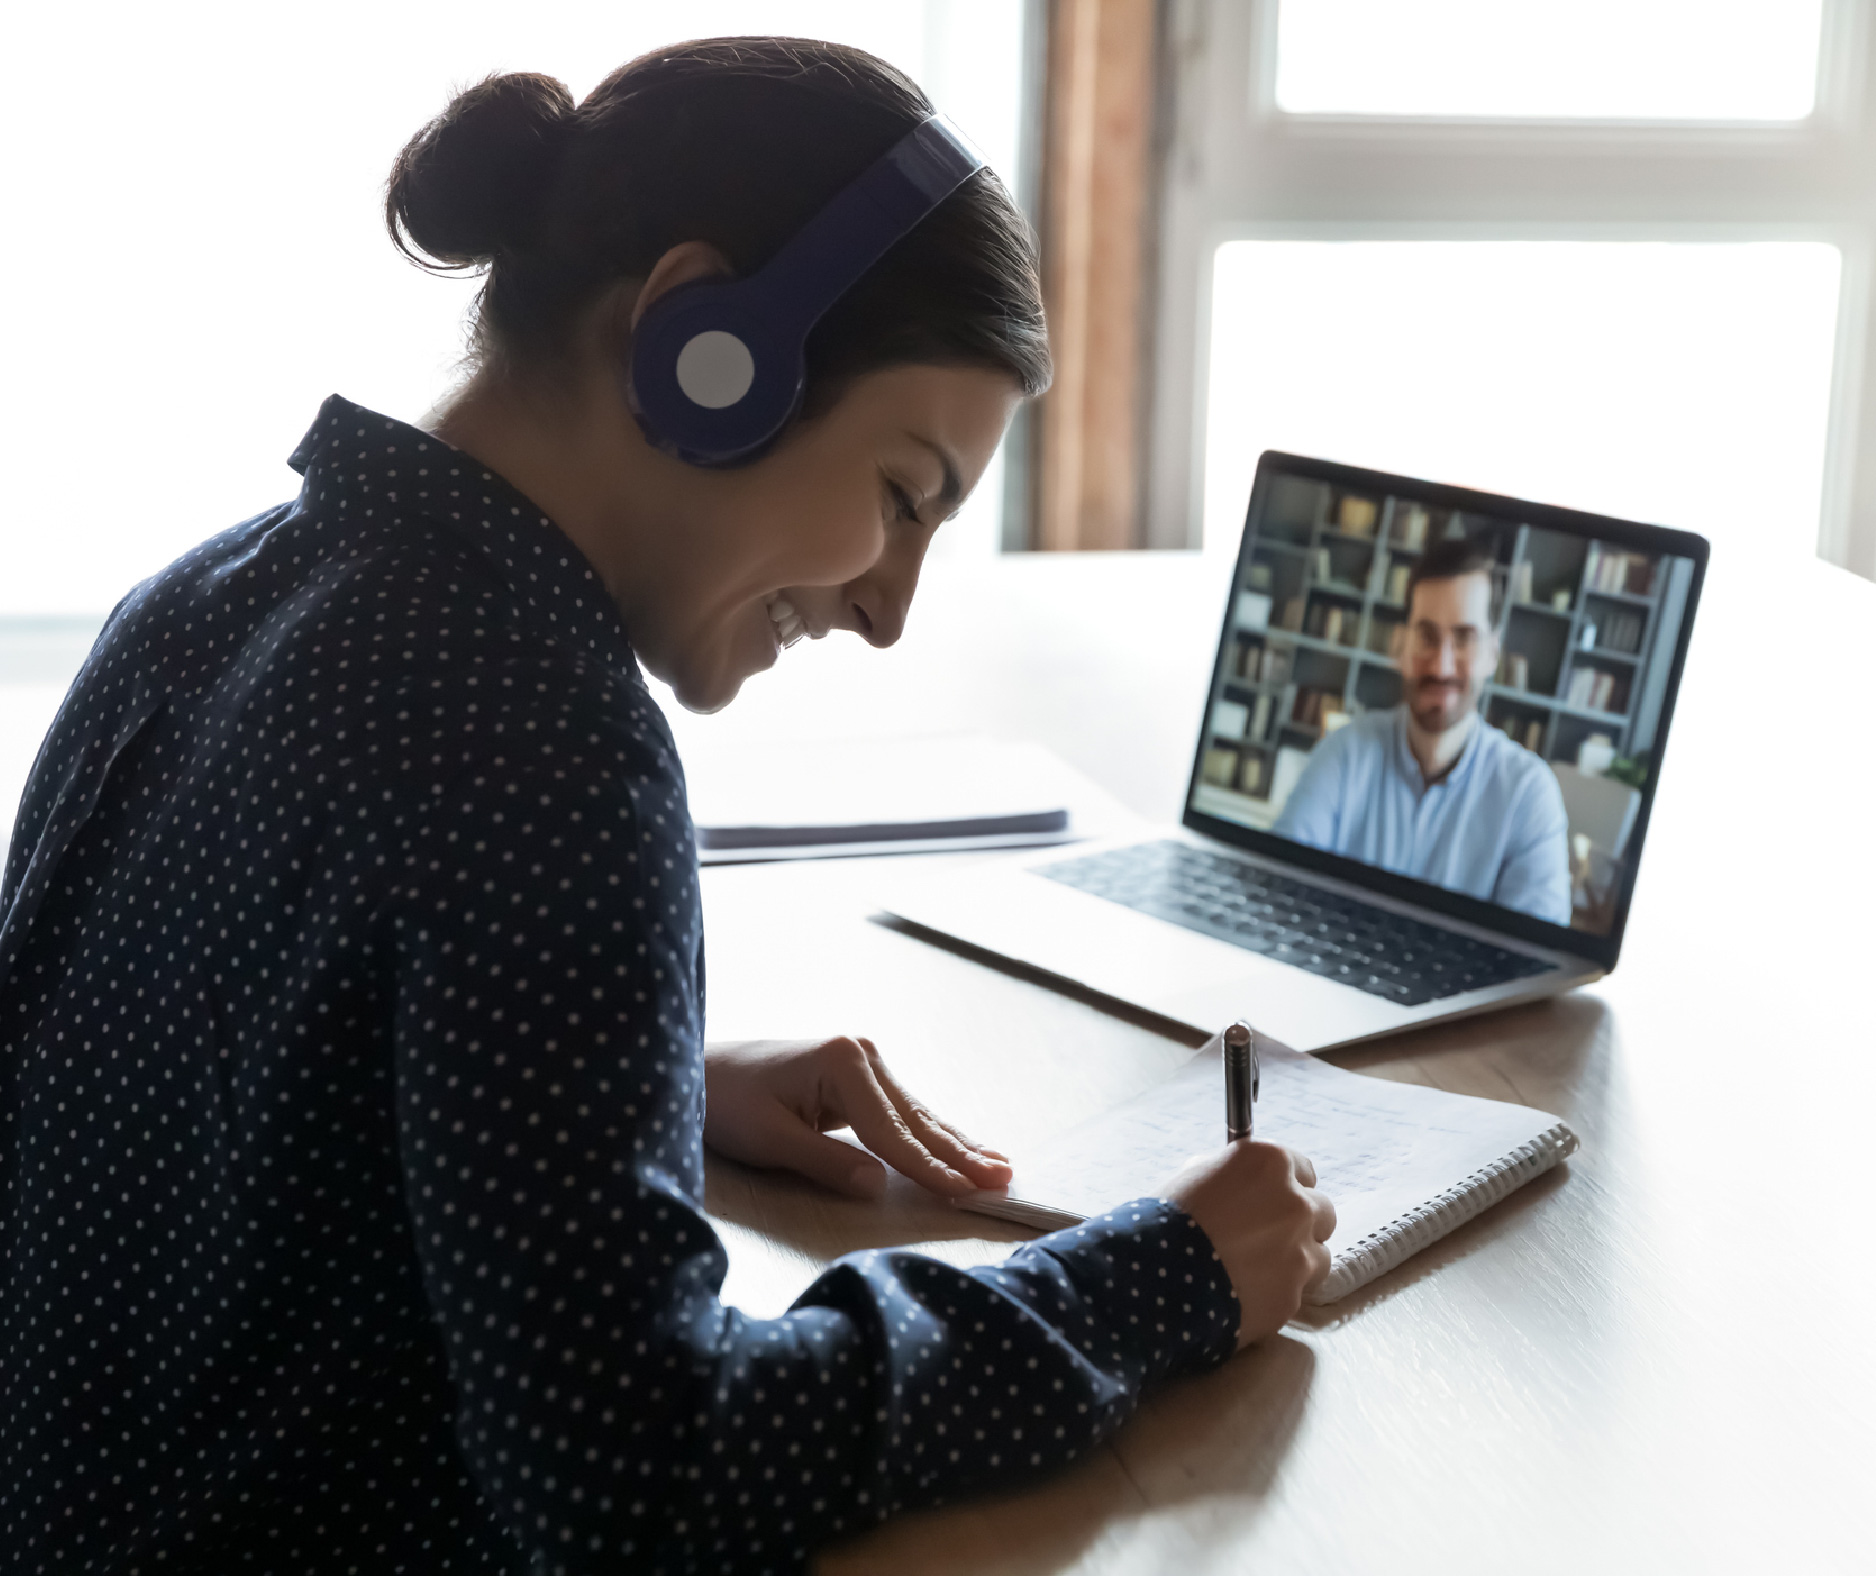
x: 351, y: 969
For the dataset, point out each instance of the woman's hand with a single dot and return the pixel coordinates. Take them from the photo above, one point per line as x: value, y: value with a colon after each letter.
x: 773, y: 1102
x: 1259, y: 1205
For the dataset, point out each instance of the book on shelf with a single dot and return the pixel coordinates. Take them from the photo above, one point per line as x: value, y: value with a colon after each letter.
x: 1219, y: 767
x: 1276, y: 664
x: 1337, y: 625
x: 1592, y: 690
x: 1619, y: 630
x: 1410, y: 525
x: 1613, y: 573
x: 1258, y: 577
x: 1291, y: 618
x: 1397, y: 577
x: 1514, y: 670
x: 1534, y: 736
x: 1325, y: 566
x: 1251, y: 775
x: 1312, y: 706
x: 1260, y: 719
x: 1520, y: 582
x: 1357, y: 515
x: 1250, y: 661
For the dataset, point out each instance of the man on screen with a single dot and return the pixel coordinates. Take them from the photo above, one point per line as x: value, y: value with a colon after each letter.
x: 1426, y: 789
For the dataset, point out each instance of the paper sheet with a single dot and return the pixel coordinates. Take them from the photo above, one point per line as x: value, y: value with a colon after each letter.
x: 1381, y: 1149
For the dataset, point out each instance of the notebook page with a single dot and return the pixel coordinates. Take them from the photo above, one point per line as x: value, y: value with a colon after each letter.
x: 1382, y: 1150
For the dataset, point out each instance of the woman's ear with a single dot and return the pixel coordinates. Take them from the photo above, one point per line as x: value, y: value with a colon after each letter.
x: 684, y: 264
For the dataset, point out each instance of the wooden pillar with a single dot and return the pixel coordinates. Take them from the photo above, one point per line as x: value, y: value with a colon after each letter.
x: 1096, y: 214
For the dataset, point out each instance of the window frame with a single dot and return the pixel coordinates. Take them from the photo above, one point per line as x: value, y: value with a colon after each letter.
x: 1233, y: 166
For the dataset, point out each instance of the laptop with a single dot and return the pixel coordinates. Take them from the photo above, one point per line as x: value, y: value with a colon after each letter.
x: 1422, y: 779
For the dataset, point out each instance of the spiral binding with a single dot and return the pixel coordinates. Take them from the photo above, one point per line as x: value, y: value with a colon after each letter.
x: 1380, y: 1251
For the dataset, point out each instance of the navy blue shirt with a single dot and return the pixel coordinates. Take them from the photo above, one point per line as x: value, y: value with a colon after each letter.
x: 351, y: 1106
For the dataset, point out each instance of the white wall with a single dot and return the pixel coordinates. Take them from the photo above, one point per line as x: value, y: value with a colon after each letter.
x: 197, y: 256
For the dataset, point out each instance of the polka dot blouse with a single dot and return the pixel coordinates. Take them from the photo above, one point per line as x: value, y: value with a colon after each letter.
x: 351, y: 1099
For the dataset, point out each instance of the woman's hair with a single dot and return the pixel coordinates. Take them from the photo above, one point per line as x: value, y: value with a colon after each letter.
x: 733, y: 141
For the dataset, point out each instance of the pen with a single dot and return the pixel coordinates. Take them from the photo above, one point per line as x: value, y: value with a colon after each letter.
x: 1240, y: 1081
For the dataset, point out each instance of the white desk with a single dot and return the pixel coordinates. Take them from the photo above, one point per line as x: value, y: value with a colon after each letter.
x: 1663, y: 1360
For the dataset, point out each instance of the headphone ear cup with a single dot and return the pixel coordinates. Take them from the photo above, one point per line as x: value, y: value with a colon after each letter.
x: 717, y: 366
x: 714, y: 371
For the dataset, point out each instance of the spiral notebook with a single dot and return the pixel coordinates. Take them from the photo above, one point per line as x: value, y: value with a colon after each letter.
x: 1403, y: 1164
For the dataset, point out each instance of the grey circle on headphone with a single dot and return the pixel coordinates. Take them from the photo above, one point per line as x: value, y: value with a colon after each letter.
x: 715, y: 369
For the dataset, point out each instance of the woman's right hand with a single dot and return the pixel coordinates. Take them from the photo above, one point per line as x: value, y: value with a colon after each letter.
x: 1259, y: 1205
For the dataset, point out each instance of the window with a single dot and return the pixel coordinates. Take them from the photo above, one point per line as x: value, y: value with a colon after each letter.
x: 1685, y: 381
x: 1614, y: 254
x: 1686, y: 60
x: 199, y: 255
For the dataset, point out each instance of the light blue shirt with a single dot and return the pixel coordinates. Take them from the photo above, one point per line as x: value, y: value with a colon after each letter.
x: 1493, y: 827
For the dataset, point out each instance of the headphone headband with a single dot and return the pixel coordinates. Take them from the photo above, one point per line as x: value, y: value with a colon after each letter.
x: 828, y: 256
x: 718, y: 367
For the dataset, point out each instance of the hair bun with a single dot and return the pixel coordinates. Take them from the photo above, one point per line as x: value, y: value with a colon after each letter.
x: 471, y: 185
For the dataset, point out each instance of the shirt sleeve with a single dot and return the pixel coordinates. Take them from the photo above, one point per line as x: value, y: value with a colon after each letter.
x: 549, y: 1088
x: 1535, y: 875
x: 1314, y: 811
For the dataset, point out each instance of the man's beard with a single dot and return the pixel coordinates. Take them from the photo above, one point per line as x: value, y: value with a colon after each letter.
x: 1438, y: 705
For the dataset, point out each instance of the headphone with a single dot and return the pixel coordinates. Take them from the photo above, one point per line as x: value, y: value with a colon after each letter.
x: 717, y: 366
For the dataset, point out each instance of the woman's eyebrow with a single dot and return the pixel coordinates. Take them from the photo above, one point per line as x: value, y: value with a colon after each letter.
x: 951, y: 491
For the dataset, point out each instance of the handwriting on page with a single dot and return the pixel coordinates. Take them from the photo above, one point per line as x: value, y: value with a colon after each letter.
x: 1380, y: 1149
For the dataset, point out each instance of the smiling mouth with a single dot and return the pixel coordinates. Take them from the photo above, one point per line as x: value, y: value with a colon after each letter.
x: 789, y: 626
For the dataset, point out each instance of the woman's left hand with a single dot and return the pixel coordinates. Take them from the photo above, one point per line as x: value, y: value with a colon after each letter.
x: 773, y: 1102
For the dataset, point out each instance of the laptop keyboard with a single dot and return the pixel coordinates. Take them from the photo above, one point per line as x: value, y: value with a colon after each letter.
x: 1341, y: 938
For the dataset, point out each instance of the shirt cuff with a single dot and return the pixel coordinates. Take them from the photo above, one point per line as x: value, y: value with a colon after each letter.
x: 1155, y: 1298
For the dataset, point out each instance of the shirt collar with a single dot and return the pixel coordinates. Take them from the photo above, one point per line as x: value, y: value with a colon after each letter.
x: 359, y: 462
x: 1409, y: 768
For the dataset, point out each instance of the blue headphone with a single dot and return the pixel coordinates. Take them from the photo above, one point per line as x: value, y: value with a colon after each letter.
x: 718, y: 366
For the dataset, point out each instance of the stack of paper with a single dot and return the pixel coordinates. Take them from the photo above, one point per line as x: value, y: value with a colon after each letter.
x: 791, y: 801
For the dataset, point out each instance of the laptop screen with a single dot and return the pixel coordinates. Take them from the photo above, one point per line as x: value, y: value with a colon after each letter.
x: 1459, y: 689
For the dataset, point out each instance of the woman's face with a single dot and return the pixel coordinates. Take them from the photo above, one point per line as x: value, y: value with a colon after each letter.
x: 829, y: 530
